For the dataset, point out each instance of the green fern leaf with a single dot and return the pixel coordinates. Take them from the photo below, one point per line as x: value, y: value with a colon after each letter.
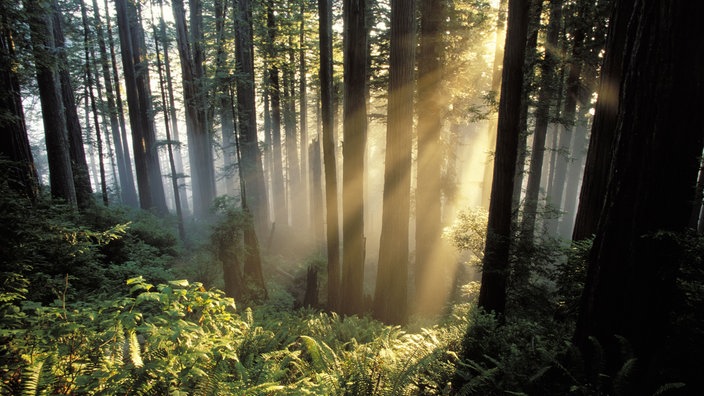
x: 135, y: 352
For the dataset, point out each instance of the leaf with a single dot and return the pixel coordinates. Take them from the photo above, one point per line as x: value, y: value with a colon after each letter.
x: 135, y: 352
x: 179, y: 283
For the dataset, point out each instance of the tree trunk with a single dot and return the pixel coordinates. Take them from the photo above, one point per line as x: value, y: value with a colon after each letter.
x: 598, y: 163
x: 353, y: 150
x: 293, y: 168
x: 430, y: 263
x: 492, y: 294
x: 251, y: 163
x: 634, y: 260
x: 14, y: 143
x: 391, y: 295
x: 56, y: 134
x: 328, y: 121
x: 542, y: 113
x: 149, y: 183
x: 303, y: 111
x: 199, y: 142
x: 222, y: 76
x: 81, y: 176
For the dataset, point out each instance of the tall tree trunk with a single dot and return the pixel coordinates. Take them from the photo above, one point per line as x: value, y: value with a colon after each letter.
x: 199, y: 145
x: 41, y: 23
x: 149, y: 183
x: 391, y: 295
x: 222, y: 76
x: 293, y: 169
x: 353, y: 150
x: 178, y: 158
x: 14, y: 143
x: 278, y: 190
x: 492, y: 294
x: 598, y: 162
x: 90, y: 58
x: 303, y: 111
x: 495, y: 87
x: 81, y: 176
x: 429, y: 272
x: 124, y: 166
x: 328, y: 142
x: 634, y: 260
x: 542, y: 115
x: 251, y: 163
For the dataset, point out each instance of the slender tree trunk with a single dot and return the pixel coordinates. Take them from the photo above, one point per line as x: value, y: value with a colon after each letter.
x: 492, y: 294
x: 353, y: 150
x: 14, y: 143
x: 328, y: 142
x: 293, y: 168
x: 542, y: 113
x: 222, y: 75
x: 251, y: 163
x: 89, y: 58
x: 303, y: 111
x: 124, y: 167
x: 391, y: 295
x: 56, y: 134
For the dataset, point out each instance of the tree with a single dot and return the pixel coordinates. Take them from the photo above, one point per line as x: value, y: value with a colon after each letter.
x: 492, y: 294
x: 355, y: 131
x: 14, y: 143
x: 200, y: 150
x: 41, y: 23
x: 134, y: 62
x: 124, y: 164
x: 658, y: 142
x: 390, y: 298
x: 328, y: 120
x: 251, y: 163
x: 429, y: 264
x: 598, y: 162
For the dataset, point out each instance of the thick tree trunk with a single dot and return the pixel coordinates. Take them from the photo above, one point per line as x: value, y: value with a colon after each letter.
x: 492, y: 294
x: 14, y: 143
x: 391, y: 295
x: 53, y: 115
x: 353, y: 150
x: 430, y: 274
x: 598, y: 163
x: 634, y: 260
x: 328, y: 121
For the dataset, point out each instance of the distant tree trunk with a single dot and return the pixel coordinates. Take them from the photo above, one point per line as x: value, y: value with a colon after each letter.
x: 634, y: 260
x: 169, y: 145
x: 316, y: 190
x: 90, y: 58
x: 14, y: 143
x: 492, y: 294
x: 598, y: 162
x: 542, y: 115
x: 353, y: 150
x: 178, y: 159
x: 150, y: 185
x: 133, y: 200
x: 251, y: 163
x: 43, y: 46
x: 293, y: 168
x: 495, y: 87
x: 278, y: 191
x: 222, y: 76
x: 124, y: 167
x: 328, y: 122
x: 430, y: 265
x: 200, y: 151
x: 81, y: 176
x: 391, y: 295
x: 303, y: 110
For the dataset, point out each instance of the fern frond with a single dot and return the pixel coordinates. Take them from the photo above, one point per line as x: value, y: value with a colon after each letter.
x: 665, y: 389
x: 134, y: 350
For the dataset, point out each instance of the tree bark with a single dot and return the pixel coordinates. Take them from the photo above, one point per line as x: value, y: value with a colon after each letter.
x: 391, y: 295
x: 328, y: 142
x: 353, y: 150
x: 492, y: 294
x: 635, y: 257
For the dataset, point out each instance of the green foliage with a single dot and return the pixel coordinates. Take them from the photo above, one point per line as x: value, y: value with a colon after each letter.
x: 468, y: 233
